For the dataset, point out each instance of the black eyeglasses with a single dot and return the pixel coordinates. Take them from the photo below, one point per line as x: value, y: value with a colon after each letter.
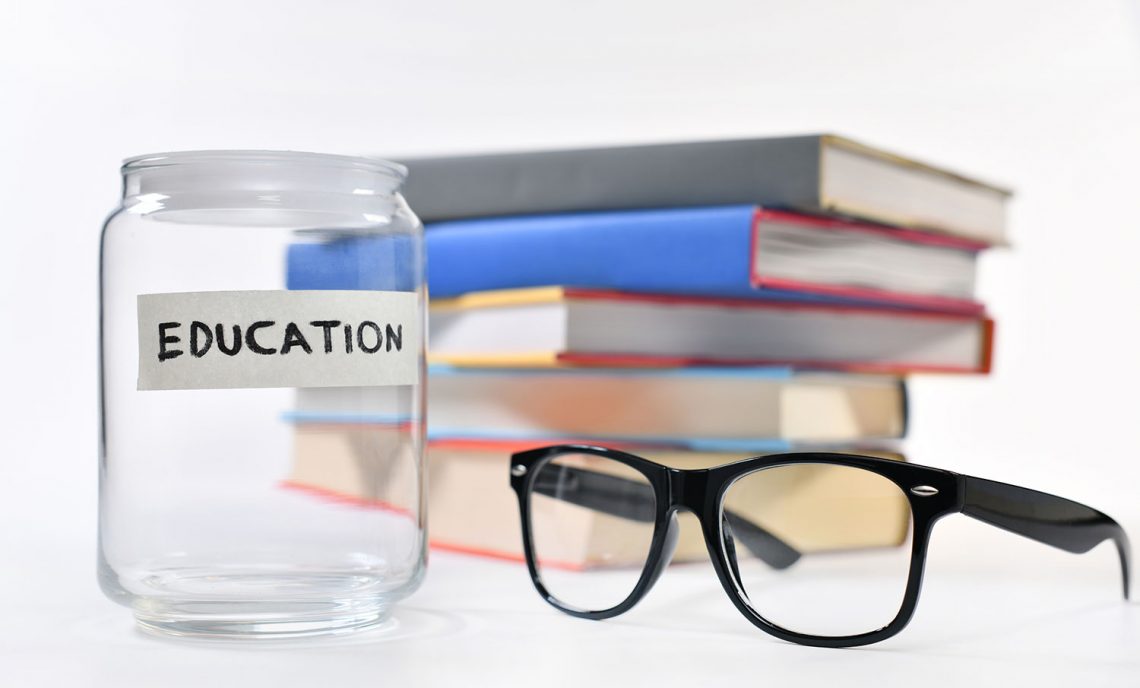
x: 599, y: 526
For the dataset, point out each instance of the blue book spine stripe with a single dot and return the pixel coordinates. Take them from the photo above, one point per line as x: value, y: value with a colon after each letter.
x: 757, y: 444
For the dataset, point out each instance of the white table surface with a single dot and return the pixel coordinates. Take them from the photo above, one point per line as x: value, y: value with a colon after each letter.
x: 995, y: 610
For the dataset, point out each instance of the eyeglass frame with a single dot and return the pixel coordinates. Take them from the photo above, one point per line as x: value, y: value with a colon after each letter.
x: 932, y: 494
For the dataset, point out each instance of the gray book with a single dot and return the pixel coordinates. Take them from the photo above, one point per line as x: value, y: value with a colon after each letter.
x: 819, y: 173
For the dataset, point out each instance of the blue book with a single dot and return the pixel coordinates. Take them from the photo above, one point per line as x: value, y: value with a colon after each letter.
x: 700, y: 251
x: 385, y: 262
x: 737, y: 251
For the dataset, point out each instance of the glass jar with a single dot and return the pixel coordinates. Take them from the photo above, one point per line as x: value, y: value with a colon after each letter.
x: 262, y: 352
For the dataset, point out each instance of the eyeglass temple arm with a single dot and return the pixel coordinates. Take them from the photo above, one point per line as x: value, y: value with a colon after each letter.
x: 616, y: 496
x: 1048, y: 519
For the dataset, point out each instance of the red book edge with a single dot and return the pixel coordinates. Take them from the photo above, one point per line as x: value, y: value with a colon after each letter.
x: 773, y: 304
x: 328, y: 495
x: 332, y: 496
x: 918, y: 301
x: 892, y: 368
x: 444, y: 546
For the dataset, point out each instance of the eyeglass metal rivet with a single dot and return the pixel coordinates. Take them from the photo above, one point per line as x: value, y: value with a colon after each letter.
x: 518, y: 471
x: 924, y: 490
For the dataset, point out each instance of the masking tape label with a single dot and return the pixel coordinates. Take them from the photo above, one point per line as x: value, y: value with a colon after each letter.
x: 237, y: 339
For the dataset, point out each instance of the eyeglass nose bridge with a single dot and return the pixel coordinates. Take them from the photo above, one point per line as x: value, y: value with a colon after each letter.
x: 688, y: 489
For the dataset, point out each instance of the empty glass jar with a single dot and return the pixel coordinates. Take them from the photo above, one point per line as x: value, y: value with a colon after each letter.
x: 261, y: 467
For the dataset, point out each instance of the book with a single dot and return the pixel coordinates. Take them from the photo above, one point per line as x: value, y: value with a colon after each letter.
x: 745, y: 409
x: 387, y: 262
x: 374, y: 465
x: 735, y: 251
x: 819, y: 173
x: 562, y: 326
x: 473, y: 509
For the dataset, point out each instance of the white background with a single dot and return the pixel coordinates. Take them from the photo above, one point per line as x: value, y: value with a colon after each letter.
x: 1040, y: 96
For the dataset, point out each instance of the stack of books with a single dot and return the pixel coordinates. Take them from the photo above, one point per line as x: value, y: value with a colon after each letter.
x: 696, y: 303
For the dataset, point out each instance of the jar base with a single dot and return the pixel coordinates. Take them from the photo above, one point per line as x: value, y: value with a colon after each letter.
x: 261, y: 605
x: 275, y: 624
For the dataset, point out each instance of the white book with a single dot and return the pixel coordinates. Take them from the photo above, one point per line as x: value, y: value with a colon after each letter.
x: 555, y: 325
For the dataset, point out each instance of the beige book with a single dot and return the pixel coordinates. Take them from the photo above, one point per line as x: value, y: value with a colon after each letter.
x: 367, y: 464
x: 473, y: 509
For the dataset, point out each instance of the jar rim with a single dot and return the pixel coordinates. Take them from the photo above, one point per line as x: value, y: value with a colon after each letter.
x: 139, y: 162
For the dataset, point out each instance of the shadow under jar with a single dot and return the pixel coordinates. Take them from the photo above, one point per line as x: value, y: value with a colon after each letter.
x: 261, y: 470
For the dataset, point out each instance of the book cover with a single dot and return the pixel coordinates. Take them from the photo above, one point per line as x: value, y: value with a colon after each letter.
x: 818, y: 173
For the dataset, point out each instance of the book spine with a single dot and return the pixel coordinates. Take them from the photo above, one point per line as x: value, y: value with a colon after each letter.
x: 777, y: 171
x: 695, y: 251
